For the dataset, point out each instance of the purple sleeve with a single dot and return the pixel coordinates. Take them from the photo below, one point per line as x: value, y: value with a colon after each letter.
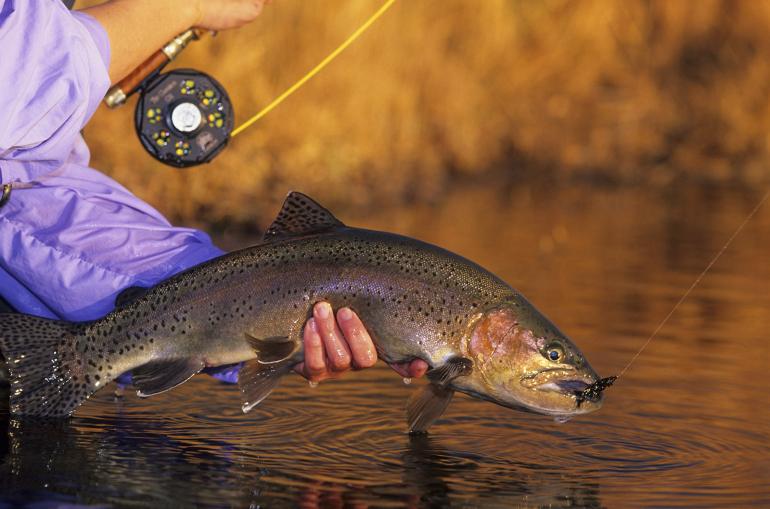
x: 72, y: 242
x: 53, y: 74
x: 71, y: 238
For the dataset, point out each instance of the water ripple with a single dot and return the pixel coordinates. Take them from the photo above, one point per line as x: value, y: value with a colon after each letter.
x: 687, y: 426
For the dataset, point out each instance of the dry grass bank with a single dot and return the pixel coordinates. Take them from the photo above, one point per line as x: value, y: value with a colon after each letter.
x: 630, y: 91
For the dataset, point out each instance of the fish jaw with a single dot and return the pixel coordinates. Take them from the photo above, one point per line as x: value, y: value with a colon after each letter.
x: 555, y: 396
x: 509, y: 347
x: 554, y: 388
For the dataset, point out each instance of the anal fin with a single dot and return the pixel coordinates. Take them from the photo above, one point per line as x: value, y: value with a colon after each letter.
x: 159, y: 376
x: 427, y: 405
x: 258, y: 380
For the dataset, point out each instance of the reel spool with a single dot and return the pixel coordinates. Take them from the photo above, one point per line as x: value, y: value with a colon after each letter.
x: 184, y: 117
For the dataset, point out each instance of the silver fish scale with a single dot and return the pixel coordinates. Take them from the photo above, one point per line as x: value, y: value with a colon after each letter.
x: 415, y: 299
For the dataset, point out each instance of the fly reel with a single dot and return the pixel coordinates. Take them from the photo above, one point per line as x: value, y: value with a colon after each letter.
x: 183, y: 117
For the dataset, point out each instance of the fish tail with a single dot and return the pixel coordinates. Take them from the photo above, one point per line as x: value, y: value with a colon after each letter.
x: 48, y: 377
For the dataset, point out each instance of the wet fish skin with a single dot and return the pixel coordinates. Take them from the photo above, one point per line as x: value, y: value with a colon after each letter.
x: 417, y: 301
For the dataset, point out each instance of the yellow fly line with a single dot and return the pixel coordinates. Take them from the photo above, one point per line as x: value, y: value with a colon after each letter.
x: 278, y: 100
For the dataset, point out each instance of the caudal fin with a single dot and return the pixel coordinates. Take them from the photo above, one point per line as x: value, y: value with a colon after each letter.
x: 47, y: 377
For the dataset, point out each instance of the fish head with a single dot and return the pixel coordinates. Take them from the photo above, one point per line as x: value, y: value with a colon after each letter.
x: 522, y: 361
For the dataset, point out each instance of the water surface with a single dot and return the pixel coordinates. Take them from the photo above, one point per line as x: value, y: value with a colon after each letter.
x: 687, y: 426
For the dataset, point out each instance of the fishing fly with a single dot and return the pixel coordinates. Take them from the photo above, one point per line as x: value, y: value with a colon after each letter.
x: 593, y: 392
x: 184, y: 117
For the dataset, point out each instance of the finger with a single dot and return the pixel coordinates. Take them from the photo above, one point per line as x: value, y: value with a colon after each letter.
x: 314, y: 366
x: 337, y: 351
x: 412, y: 369
x: 315, y: 356
x: 401, y: 369
x: 326, y: 375
x: 358, y: 339
x: 417, y: 368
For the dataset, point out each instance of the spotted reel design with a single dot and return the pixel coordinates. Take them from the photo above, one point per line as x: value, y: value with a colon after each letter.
x: 184, y: 117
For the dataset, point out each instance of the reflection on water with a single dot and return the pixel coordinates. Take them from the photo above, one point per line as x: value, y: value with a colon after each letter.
x: 688, y: 425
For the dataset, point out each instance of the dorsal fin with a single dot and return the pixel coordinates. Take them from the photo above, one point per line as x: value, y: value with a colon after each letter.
x: 300, y: 215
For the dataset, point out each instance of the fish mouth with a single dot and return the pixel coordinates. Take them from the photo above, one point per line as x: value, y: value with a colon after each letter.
x: 565, y: 381
x: 572, y: 385
x: 558, y: 392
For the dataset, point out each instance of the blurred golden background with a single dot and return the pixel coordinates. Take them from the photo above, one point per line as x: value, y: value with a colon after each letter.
x: 595, y: 154
x: 618, y: 92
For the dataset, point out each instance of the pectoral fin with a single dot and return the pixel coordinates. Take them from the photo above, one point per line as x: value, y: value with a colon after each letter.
x: 430, y: 402
x: 453, y: 368
x: 427, y: 405
x: 272, y: 350
x: 159, y: 376
x: 258, y: 380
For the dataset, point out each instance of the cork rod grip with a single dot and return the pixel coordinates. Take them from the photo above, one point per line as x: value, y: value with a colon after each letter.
x: 118, y: 94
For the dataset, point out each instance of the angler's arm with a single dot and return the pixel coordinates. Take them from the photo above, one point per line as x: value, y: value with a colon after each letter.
x: 138, y: 28
x: 52, y: 78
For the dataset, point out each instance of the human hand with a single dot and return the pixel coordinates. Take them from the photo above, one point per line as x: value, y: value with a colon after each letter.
x: 137, y: 28
x: 224, y: 14
x: 333, y: 347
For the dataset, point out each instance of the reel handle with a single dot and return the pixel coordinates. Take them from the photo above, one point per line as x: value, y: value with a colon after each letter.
x: 117, y: 95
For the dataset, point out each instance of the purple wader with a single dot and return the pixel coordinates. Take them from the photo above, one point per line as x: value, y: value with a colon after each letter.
x: 71, y: 238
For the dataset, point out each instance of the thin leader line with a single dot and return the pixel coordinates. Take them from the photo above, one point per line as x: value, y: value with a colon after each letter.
x: 696, y: 282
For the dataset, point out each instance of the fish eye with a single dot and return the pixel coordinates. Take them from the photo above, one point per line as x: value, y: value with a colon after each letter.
x: 554, y: 353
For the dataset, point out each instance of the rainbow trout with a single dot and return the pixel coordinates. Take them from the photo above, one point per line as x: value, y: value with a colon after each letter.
x: 479, y: 335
